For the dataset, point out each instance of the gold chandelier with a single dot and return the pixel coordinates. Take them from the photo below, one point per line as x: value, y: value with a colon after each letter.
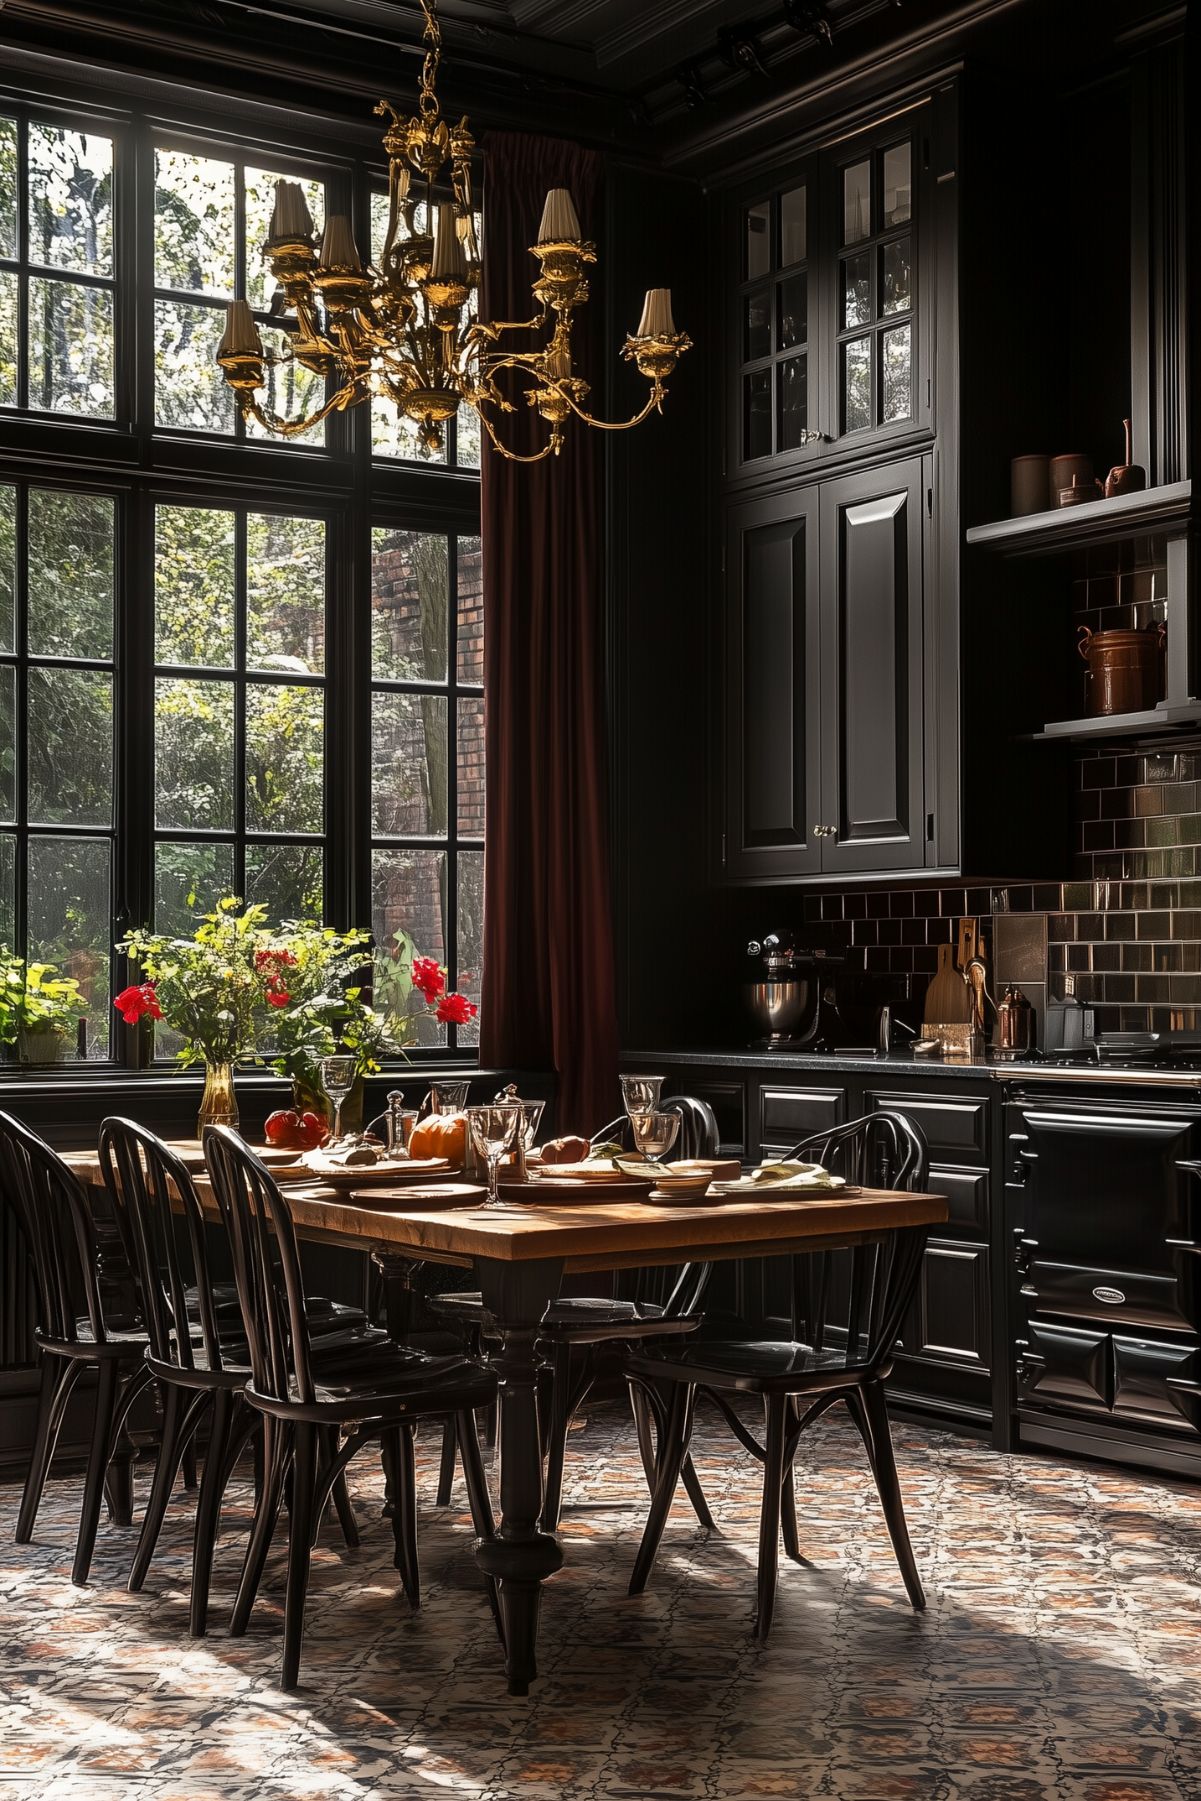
x: 406, y: 330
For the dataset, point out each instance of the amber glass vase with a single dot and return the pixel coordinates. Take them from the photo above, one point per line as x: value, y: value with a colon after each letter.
x: 219, y: 1104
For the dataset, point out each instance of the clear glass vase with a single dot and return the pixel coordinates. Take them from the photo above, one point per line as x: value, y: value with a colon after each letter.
x: 219, y: 1105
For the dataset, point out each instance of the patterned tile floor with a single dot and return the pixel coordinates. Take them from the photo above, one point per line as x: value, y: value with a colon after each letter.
x: 1059, y: 1656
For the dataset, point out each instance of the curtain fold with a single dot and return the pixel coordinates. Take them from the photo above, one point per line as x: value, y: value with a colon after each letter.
x: 548, y: 981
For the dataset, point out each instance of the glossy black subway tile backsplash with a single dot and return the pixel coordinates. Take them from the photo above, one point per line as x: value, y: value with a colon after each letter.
x: 1126, y: 926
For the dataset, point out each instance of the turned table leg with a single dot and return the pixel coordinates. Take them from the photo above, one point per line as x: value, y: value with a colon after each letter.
x: 521, y: 1556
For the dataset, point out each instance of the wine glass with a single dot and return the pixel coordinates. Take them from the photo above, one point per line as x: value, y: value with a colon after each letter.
x: 531, y: 1119
x: 655, y: 1133
x: 337, y: 1079
x: 640, y: 1094
x: 494, y: 1131
x: 448, y: 1097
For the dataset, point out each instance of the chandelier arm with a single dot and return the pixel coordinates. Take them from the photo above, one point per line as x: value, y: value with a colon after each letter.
x: 655, y: 402
x: 487, y: 331
x: 515, y: 456
x: 291, y: 428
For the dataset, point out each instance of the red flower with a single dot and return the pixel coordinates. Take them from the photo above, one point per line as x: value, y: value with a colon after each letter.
x: 429, y: 976
x: 455, y: 1010
x: 278, y: 997
x: 274, y: 959
x: 135, y: 1002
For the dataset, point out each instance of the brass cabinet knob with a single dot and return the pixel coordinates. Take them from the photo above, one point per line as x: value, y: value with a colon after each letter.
x: 825, y: 831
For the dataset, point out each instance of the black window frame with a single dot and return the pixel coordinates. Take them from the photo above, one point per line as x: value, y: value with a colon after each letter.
x: 142, y: 465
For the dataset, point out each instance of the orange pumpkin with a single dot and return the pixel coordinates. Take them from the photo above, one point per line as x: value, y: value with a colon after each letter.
x: 441, y: 1135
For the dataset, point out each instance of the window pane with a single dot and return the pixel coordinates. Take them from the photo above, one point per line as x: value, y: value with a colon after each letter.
x: 260, y: 204
x: 470, y: 666
x: 289, y: 390
x: 793, y: 295
x: 8, y: 187
x: 285, y: 746
x: 896, y: 279
x: 471, y: 767
x: 71, y: 348
x: 8, y: 755
x: 758, y: 239
x: 898, y: 402
x: 287, y: 878
x: 10, y: 303
x: 408, y: 895
x: 898, y: 190
x: 8, y: 564
x: 285, y: 593
x: 189, y: 390
x: 8, y: 889
x: 205, y: 871
x: 468, y: 434
x: 70, y: 200
x: 394, y: 436
x: 70, y: 913
x: 856, y: 384
x: 793, y: 226
x: 856, y: 202
x: 70, y: 574
x: 756, y: 424
x: 856, y: 289
x: 794, y: 402
x: 408, y: 765
x: 194, y: 231
x: 194, y: 755
x: 410, y: 597
x: 194, y: 586
x: 70, y: 776
x: 756, y: 330
x: 471, y: 936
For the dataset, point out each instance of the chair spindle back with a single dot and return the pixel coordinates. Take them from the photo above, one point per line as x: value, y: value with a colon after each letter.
x: 52, y: 1210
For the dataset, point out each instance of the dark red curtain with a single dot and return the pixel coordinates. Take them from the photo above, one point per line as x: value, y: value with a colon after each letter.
x: 548, y: 988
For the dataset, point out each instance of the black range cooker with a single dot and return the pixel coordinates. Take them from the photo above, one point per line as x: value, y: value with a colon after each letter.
x: 1103, y: 1197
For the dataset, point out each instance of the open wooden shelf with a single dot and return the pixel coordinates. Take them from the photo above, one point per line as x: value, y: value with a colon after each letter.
x: 1092, y: 522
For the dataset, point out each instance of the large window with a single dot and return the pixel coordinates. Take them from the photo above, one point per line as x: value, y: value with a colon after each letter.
x: 227, y: 662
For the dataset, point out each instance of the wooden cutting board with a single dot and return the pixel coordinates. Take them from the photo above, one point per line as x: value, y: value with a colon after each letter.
x: 948, y: 998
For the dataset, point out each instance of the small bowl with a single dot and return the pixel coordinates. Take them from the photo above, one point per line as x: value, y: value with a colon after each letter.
x: 672, y: 1182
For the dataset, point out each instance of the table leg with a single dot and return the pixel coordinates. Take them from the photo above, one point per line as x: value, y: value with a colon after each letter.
x: 521, y: 1556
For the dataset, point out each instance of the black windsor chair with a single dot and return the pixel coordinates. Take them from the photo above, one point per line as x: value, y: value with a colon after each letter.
x: 381, y: 1392
x: 55, y: 1219
x: 197, y: 1350
x: 847, y: 1312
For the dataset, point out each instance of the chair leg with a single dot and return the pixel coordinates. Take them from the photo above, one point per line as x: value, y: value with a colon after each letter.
x: 673, y: 1445
x: 54, y: 1370
x: 869, y: 1411
x: 446, y: 1467
x: 640, y: 1407
x: 404, y: 1512
x: 208, y: 1507
x: 557, y: 1428
x: 776, y: 1409
x: 166, y: 1466
x: 478, y: 1498
x: 340, y: 1493
x: 788, y: 1520
x: 300, y: 1546
x: 93, y: 1486
x: 276, y: 1456
x: 190, y: 1473
x: 118, y: 1488
x: 696, y: 1494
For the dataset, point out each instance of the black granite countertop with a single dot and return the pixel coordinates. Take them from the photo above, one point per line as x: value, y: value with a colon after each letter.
x: 866, y: 1062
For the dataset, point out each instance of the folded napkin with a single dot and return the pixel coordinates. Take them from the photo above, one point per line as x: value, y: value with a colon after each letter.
x: 786, y: 1177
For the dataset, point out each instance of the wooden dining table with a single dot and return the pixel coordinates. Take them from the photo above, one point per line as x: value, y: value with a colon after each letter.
x: 520, y: 1255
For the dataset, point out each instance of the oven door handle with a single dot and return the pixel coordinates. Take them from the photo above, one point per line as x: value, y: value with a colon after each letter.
x: 1190, y: 1165
x: 1183, y: 1244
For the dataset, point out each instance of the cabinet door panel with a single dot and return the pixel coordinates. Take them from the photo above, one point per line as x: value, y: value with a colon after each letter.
x: 873, y: 762
x: 773, y: 674
x: 950, y: 1318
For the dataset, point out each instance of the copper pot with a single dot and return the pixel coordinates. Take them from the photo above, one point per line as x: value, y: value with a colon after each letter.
x: 1123, y: 670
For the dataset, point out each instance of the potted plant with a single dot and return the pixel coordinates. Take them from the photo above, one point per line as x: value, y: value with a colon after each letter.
x: 216, y: 989
x: 39, y: 1008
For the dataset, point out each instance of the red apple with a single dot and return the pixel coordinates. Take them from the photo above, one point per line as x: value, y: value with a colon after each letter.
x: 281, y: 1126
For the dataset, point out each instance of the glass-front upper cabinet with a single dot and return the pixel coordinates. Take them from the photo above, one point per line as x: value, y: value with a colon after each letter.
x: 827, y: 340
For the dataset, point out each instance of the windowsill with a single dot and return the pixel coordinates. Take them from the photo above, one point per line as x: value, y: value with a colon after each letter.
x: 74, y: 1075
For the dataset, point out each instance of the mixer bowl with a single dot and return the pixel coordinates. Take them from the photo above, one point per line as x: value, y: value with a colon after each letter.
x: 783, y: 1009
